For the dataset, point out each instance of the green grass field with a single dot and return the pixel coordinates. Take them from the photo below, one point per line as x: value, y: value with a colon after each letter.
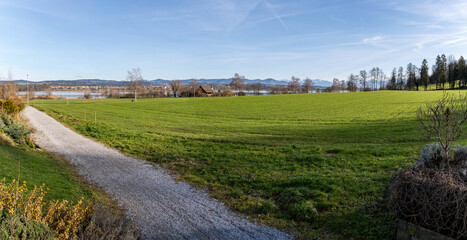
x: 37, y: 168
x: 311, y: 164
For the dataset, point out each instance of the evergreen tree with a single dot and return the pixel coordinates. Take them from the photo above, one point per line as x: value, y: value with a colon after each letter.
x: 411, y: 78
x: 451, y: 69
x: 461, y: 72
x: 437, y: 70
x: 392, y: 80
x: 424, y: 74
x: 442, y: 70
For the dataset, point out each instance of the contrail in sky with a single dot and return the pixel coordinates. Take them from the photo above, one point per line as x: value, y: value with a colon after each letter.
x: 275, y: 14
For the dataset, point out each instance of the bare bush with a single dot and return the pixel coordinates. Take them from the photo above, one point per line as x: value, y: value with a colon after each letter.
x: 443, y: 121
x: 9, y: 88
x: 104, y: 225
x: 433, y: 199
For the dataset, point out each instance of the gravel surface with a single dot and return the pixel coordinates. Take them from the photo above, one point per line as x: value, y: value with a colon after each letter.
x: 161, y: 207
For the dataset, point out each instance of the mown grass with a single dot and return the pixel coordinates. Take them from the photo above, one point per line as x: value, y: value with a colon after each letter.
x: 311, y: 164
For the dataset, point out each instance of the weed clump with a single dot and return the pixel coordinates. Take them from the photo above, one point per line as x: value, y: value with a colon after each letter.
x: 267, y: 207
x: 304, y: 211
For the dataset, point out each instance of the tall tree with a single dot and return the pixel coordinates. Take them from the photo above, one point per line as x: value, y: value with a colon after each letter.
x: 451, y: 69
x: 194, y: 85
x: 336, y: 85
x: 294, y: 85
x: 411, y: 77
x: 382, y: 78
x: 400, y: 79
x: 441, y: 71
x: 461, y: 72
x: 352, y: 83
x: 308, y: 85
x: 392, y: 84
x: 363, y: 79
x: 373, y: 76
x: 424, y: 78
x: 443, y: 58
x: 134, y: 77
x: 175, y: 86
x: 238, y: 82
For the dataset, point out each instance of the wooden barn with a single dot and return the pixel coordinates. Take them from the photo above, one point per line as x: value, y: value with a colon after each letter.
x: 206, y: 90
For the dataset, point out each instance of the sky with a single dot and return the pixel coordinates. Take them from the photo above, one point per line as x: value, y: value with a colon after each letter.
x: 182, y: 39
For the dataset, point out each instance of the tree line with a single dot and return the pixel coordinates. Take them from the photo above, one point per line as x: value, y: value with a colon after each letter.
x: 446, y: 73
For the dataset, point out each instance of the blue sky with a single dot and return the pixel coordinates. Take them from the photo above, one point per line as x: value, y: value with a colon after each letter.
x: 180, y: 39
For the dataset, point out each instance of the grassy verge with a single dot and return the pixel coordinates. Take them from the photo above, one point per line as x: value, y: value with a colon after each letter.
x: 312, y: 164
x: 37, y: 168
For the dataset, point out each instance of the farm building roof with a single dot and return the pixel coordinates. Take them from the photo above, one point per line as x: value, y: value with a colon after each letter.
x: 207, y: 89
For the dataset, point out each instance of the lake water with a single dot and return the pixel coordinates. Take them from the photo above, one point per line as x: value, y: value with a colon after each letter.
x: 75, y: 95
x: 68, y: 95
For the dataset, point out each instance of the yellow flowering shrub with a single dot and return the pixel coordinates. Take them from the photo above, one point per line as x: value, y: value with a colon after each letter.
x: 64, y: 219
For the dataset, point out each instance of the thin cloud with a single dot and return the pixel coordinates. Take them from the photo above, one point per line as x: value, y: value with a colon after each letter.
x: 373, y: 41
x: 437, y: 11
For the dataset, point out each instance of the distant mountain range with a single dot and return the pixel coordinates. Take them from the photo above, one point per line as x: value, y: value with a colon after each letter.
x: 100, y: 82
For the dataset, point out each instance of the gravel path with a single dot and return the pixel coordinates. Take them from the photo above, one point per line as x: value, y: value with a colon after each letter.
x: 160, y: 206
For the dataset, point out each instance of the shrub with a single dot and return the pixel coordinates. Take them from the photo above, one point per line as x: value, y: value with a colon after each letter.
x: 87, y: 96
x: 432, y: 156
x: 304, y: 211
x: 12, y: 106
x: 20, y: 227
x: 443, y: 121
x: 17, y: 131
x: 460, y: 155
x: 61, y: 217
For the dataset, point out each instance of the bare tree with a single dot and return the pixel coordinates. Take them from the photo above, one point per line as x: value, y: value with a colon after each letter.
x: 363, y: 79
x: 134, y: 77
x: 336, y: 85
x: 238, y: 83
x: 256, y: 88
x: 400, y: 78
x: 443, y: 121
x: 175, y: 86
x: 294, y: 84
x: 308, y: 85
x: 352, y: 83
x: 194, y: 86
x: 10, y: 88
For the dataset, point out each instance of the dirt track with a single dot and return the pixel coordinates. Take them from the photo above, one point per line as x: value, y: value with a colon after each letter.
x: 160, y: 206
